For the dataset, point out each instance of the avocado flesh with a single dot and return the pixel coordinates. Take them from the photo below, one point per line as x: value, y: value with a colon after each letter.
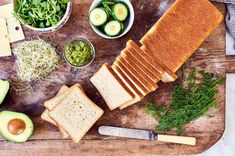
x: 4, y: 87
x: 6, y: 117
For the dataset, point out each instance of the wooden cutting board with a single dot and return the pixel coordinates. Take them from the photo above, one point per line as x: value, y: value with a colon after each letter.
x: 47, y: 138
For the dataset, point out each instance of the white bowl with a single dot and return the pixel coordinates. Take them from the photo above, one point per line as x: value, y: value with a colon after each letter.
x: 59, y: 25
x: 128, y: 24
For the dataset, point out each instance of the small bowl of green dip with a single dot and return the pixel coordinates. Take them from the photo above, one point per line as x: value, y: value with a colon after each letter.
x: 79, y: 52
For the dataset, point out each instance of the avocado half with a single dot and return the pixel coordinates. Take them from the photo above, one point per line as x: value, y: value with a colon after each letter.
x: 15, y: 127
x: 4, y: 87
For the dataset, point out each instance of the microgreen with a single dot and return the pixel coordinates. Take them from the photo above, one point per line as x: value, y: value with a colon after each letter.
x: 41, y: 13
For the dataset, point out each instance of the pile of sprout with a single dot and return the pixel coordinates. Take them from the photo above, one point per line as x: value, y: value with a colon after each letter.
x: 35, y: 60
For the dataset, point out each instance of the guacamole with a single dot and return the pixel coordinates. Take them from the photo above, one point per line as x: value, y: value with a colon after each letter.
x: 78, y: 53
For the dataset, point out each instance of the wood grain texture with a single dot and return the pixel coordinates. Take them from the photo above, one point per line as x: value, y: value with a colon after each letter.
x: 47, y: 138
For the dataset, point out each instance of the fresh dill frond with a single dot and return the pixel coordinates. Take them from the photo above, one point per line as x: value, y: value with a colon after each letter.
x: 187, y: 102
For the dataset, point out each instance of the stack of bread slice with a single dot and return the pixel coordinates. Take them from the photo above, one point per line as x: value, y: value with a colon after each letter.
x: 165, y: 47
x: 72, y: 112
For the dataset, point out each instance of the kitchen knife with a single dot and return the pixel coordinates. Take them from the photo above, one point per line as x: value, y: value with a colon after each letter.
x: 145, y: 134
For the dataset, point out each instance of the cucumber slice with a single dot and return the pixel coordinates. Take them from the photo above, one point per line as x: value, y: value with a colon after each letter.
x: 98, y: 17
x: 120, y: 11
x: 112, y: 28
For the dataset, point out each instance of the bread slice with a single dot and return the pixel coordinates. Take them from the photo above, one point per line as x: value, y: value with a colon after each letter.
x: 130, y: 85
x: 168, y: 75
x: 55, y: 101
x: 76, y: 113
x: 51, y: 103
x: 111, y: 88
x: 135, y: 81
x: 138, y: 75
x: 126, y: 54
x: 181, y: 30
x: 45, y: 115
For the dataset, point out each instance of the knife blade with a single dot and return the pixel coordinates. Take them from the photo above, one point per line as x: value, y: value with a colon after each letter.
x: 144, y: 135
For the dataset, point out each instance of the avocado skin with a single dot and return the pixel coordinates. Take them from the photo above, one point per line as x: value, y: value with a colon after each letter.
x: 4, y: 88
x: 5, y: 117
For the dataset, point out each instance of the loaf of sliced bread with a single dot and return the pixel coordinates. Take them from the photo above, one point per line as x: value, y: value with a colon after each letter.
x: 135, y: 81
x: 141, y: 77
x: 76, y: 113
x: 181, y: 30
x: 114, y: 92
x: 130, y: 85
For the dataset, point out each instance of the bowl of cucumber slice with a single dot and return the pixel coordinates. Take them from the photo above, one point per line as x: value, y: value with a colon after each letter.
x: 111, y: 19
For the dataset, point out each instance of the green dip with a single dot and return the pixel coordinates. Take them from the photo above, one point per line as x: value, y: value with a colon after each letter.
x: 78, y: 53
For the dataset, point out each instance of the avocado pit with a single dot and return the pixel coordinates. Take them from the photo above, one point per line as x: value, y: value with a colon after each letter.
x: 16, y: 126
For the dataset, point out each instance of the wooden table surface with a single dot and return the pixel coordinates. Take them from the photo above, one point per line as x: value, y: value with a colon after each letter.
x: 47, y: 140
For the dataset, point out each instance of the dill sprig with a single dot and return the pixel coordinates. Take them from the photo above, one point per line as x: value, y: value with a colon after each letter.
x: 187, y: 102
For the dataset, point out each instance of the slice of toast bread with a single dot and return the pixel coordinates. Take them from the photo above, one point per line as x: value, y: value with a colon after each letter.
x: 76, y: 113
x: 136, y: 82
x: 51, y: 103
x: 111, y: 88
x: 125, y: 54
x: 181, y: 30
x: 130, y: 85
x: 141, y: 78
x: 45, y: 115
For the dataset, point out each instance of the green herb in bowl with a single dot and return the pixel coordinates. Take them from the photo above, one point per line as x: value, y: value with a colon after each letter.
x: 79, y: 53
x: 40, y: 13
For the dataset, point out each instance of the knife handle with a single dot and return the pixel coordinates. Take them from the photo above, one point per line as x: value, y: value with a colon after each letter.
x: 177, y: 139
